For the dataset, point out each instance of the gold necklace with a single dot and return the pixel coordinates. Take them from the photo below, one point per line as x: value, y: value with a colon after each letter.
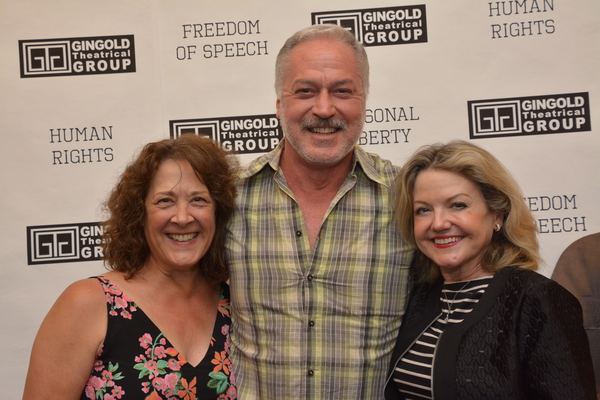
x: 445, y: 291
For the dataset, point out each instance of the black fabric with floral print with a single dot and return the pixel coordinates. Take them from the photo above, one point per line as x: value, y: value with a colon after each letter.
x: 138, y: 362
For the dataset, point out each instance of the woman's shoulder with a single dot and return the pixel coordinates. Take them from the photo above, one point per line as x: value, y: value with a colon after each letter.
x: 523, y: 276
x: 82, y: 300
x: 80, y: 310
x: 534, y: 284
x: 92, y: 288
x: 84, y: 291
x: 91, y: 294
x: 526, y: 277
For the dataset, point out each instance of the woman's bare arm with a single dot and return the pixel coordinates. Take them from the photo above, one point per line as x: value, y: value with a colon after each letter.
x: 67, y: 343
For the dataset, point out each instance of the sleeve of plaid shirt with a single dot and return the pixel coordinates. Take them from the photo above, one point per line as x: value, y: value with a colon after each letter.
x: 317, y: 324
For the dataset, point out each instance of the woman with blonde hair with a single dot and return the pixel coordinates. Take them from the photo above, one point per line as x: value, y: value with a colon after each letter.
x: 481, y: 323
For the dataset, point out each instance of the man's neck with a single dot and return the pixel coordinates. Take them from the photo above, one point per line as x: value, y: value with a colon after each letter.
x: 314, y: 187
x: 312, y: 178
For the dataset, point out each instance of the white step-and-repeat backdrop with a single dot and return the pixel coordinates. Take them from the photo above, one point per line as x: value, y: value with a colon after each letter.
x: 84, y: 84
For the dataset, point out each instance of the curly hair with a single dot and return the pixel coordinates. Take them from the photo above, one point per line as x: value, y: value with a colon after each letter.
x: 515, y: 243
x: 125, y: 246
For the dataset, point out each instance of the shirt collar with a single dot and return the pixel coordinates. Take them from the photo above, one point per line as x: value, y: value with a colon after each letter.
x: 366, y: 161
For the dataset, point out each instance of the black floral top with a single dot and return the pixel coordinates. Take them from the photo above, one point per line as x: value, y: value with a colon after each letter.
x: 138, y: 362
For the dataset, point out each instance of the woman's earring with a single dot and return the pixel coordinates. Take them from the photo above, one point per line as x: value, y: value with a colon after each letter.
x: 497, y: 227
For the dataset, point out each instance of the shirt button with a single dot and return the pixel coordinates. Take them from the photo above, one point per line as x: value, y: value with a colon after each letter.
x: 311, y: 372
x: 298, y: 233
x: 310, y: 277
x: 311, y: 323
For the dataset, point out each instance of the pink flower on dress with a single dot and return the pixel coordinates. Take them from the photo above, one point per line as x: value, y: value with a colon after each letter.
x: 98, y: 365
x: 117, y: 392
x: 113, y: 289
x: 146, y: 340
x: 159, y: 383
x: 149, y: 351
x: 152, y: 367
x: 107, y: 375
x: 232, y: 375
x: 97, y: 383
x: 227, y: 344
x: 231, y: 392
x: 120, y: 302
x: 225, y: 329
x: 174, y: 365
x: 171, y: 381
x: 159, y: 351
x: 90, y: 393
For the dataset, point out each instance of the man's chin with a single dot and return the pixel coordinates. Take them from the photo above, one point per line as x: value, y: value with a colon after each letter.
x: 325, y: 158
x: 320, y: 153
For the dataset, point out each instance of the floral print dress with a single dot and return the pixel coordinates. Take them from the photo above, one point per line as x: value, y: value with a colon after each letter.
x: 138, y: 362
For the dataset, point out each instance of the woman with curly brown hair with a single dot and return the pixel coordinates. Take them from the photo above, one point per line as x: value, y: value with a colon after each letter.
x: 155, y: 326
x: 480, y: 324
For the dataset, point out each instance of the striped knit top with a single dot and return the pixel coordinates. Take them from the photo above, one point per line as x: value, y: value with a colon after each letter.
x: 413, y: 373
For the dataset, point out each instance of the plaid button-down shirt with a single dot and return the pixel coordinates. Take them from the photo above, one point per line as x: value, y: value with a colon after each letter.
x: 321, y: 323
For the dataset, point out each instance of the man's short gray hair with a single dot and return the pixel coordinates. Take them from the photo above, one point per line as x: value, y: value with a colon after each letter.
x: 313, y: 32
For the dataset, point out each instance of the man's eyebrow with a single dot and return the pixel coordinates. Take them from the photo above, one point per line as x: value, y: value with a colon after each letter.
x: 304, y: 82
x: 339, y: 82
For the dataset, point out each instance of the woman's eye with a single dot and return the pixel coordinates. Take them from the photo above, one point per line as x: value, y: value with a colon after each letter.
x: 459, y: 206
x: 163, y: 202
x: 420, y: 210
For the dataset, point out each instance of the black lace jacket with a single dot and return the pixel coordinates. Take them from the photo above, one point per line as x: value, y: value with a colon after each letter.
x: 523, y: 340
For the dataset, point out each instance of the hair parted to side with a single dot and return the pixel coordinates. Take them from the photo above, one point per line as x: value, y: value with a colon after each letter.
x: 329, y: 31
x: 515, y: 244
x: 125, y: 246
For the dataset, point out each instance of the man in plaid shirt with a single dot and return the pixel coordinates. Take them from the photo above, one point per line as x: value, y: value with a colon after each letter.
x: 318, y: 270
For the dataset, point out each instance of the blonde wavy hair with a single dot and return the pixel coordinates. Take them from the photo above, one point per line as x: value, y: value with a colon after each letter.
x: 515, y: 244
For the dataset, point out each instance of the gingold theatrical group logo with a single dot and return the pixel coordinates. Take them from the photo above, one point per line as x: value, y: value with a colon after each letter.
x: 47, y: 244
x: 380, y: 26
x: 77, y: 56
x: 522, y: 116
x: 243, y: 135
